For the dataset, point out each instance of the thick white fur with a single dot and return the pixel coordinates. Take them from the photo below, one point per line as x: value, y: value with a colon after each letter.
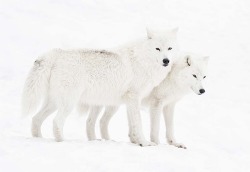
x: 163, y: 98
x: 64, y: 78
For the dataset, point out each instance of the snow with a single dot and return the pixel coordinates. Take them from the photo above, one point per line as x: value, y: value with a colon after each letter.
x: 214, y: 126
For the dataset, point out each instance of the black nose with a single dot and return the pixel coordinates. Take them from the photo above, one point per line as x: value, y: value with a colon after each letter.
x: 202, y: 91
x: 165, y: 62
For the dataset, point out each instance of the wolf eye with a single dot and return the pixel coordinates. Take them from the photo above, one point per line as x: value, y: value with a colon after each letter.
x: 170, y: 48
x: 204, y: 77
x: 158, y: 49
x: 195, y: 76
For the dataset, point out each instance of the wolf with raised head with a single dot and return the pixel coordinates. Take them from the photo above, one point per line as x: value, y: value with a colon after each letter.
x: 64, y: 78
x: 187, y: 74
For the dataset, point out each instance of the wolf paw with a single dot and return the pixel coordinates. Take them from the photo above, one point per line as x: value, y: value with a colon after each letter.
x: 57, y: 133
x: 36, y: 131
x: 179, y: 145
x: 106, y: 137
x: 132, y: 138
x: 146, y: 143
x: 156, y: 141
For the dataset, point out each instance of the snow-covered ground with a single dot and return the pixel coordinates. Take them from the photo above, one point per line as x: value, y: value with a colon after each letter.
x: 215, y: 127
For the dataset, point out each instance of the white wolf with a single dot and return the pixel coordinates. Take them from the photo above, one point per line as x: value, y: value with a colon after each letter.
x: 125, y: 75
x: 187, y: 74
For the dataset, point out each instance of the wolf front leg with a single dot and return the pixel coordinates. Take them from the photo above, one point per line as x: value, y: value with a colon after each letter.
x: 155, y: 112
x: 168, y: 112
x: 135, y: 126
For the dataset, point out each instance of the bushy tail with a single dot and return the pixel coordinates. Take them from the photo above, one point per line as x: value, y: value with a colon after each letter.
x: 36, y: 86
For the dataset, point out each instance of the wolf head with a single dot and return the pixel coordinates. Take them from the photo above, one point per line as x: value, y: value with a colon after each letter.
x: 194, y: 72
x: 162, y: 46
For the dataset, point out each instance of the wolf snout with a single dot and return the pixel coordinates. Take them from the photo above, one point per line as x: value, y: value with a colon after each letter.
x: 202, y: 91
x: 165, y: 62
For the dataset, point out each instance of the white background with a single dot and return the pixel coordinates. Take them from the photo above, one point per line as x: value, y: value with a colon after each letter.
x: 215, y: 126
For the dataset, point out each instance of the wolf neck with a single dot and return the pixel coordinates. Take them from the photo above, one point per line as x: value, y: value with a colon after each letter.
x: 147, y: 73
x: 172, y: 87
x: 132, y: 50
x: 174, y: 78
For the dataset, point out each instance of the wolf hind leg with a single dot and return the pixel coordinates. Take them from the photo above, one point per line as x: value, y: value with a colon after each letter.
x: 65, y: 107
x: 47, y: 109
x: 59, y: 121
x: 66, y: 96
x: 91, y: 121
x: 104, y: 122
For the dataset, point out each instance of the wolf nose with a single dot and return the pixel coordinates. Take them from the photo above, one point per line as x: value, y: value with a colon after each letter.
x: 165, y: 62
x: 202, y: 91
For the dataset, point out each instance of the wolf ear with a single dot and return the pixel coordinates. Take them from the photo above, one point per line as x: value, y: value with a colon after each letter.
x: 175, y: 30
x: 188, y: 60
x: 150, y: 33
x: 206, y: 58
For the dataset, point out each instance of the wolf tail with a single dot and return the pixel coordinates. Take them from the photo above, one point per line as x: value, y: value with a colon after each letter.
x: 36, y: 86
